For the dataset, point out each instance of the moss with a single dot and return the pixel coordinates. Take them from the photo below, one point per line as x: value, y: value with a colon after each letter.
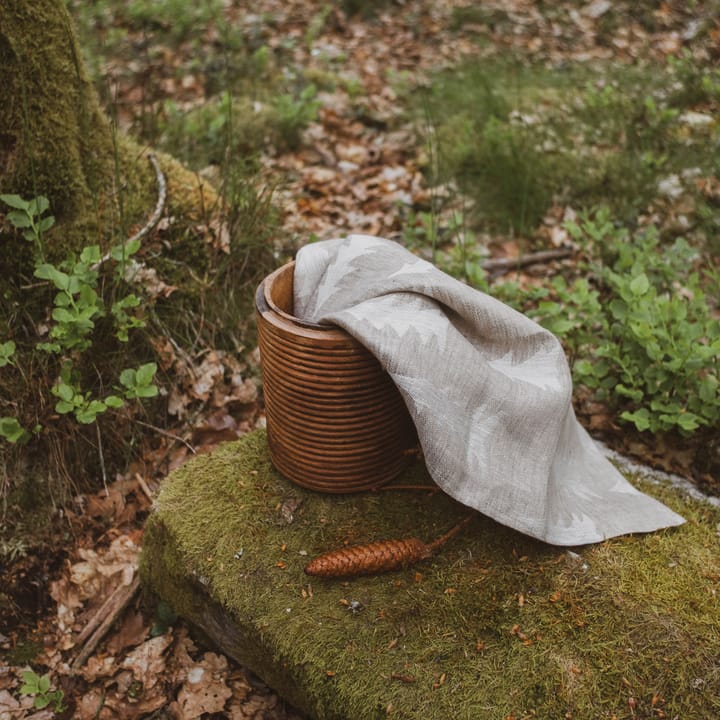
x: 54, y: 139
x: 495, y: 625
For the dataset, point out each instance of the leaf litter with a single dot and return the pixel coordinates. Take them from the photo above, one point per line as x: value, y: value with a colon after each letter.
x: 357, y: 170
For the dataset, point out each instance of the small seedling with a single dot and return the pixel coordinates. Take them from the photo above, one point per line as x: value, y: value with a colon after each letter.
x: 39, y: 688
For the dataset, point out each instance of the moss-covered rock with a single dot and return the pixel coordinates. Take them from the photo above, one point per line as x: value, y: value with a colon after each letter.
x: 496, y: 625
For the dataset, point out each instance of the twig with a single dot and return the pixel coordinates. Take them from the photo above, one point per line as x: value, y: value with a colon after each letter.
x: 451, y: 533
x: 144, y: 487
x: 170, y: 435
x: 103, y: 620
x: 499, y: 266
x: 159, y: 206
x: 102, y: 460
x: 154, y: 218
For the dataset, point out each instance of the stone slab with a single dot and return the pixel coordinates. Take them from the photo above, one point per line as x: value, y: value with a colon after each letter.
x: 496, y: 625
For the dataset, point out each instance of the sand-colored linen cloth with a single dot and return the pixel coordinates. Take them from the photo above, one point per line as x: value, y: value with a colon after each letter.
x: 489, y: 391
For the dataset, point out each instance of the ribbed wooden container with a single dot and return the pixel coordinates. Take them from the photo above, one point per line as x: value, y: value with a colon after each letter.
x: 335, y: 420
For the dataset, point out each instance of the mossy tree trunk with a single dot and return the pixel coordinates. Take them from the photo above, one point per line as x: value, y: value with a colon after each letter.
x: 54, y: 139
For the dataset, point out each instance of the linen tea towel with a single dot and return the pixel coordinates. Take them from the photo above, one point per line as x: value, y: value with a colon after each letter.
x: 489, y: 391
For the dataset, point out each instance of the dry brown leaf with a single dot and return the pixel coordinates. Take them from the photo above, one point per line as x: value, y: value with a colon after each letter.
x: 209, y: 372
x: 164, y: 351
x: 8, y: 705
x: 147, y: 662
x: 96, y: 668
x: 91, y: 706
x: 132, y: 632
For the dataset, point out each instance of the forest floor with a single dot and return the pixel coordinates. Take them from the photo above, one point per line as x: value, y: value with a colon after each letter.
x: 356, y: 165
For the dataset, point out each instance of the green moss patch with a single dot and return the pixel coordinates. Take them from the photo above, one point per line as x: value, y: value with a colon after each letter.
x: 496, y: 625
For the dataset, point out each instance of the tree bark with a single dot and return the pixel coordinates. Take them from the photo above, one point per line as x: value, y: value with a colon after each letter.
x: 54, y: 139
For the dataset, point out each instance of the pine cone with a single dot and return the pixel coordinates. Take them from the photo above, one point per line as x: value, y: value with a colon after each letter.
x: 368, y: 559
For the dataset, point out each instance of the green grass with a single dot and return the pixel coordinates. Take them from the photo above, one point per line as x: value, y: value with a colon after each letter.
x: 496, y: 625
x: 518, y: 137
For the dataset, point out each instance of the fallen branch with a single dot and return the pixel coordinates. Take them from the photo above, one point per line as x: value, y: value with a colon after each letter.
x: 499, y: 266
x: 159, y: 206
x: 154, y: 218
x: 103, y: 620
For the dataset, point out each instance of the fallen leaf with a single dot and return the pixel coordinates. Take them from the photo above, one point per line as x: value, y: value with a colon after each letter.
x: 132, y: 632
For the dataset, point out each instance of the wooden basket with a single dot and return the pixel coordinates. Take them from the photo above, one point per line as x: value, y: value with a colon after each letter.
x: 335, y: 420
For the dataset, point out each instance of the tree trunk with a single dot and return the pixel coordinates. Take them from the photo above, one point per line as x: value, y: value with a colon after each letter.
x: 54, y: 139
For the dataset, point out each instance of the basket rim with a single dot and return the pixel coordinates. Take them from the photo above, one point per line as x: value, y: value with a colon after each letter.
x: 266, y: 286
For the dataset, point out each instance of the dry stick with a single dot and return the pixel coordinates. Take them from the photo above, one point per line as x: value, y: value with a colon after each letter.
x: 167, y: 434
x: 102, y: 460
x: 498, y: 266
x: 157, y: 212
x: 110, y: 611
x: 145, y: 488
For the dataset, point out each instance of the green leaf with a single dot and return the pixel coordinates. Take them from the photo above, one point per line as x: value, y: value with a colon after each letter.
x: 13, y: 431
x: 90, y: 254
x: 63, y: 315
x: 46, y: 223
x: 7, y: 350
x: 88, y: 415
x: 559, y: 326
x: 146, y: 391
x: 44, y: 683
x: 45, y: 271
x: 64, y: 391
x: 114, y: 401
x: 583, y: 368
x: 634, y: 394
x: 41, y: 701
x: 123, y: 252
x: 146, y: 373
x: 30, y: 678
x: 688, y: 421
x: 19, y: 219
x: 38, y: 205
x: 640, y: 285
x: 641, y: 419
x: 64, y: 407
x: 15, y: 201
x: 127, y: 378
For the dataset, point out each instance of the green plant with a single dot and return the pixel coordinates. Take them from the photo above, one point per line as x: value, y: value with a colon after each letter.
x: 178, y: 17
x: 77, y: 304
x: 515, y: 140
x: 39, y: 688
x: 77, y: 307
x: 26, y: 216
x: 7, y: 350
x: 695, y: 83
x: 291, y: 114
x: 71, y: 399
x: 12, y: 430
x: 646, y: 338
